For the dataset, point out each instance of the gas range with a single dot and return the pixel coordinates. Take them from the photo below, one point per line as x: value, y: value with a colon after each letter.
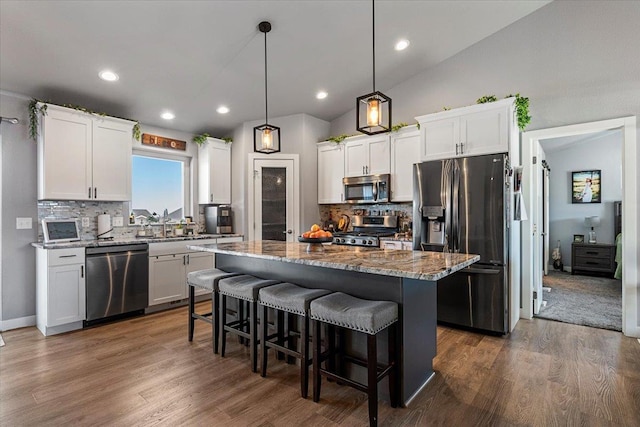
x: 367, y: 231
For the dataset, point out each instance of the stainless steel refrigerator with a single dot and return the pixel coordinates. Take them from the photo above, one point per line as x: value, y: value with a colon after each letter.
x: 462, y: 205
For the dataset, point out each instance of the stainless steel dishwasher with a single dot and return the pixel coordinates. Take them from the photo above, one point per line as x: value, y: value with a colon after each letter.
x: 117, y: 282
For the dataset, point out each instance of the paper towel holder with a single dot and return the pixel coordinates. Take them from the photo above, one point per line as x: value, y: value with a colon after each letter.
x: 104, y: 226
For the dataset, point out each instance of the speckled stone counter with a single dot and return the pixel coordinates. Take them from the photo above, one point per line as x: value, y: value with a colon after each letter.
x: 408, y: 278
x: 409, y: 264
x: 128, y: 241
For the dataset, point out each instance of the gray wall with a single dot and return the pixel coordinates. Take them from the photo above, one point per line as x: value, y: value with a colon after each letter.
x: 566, y: 218
x: 18, y: 200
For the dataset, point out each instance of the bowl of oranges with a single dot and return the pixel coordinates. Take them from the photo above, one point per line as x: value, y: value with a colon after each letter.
x: 316, y: 235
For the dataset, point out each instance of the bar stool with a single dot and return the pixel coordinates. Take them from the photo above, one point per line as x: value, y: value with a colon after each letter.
x: 294, y: 300
x: 370, y: 317
x: 244, y: 288
x: 206, y: 279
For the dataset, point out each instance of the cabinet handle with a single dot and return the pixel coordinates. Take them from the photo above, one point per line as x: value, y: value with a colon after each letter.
x: 67, y: 256
x: 188, y: 259
x: 457, y: 149
x: 95, y: 192
x: 211, y: 197
x: 89, y: 196
x: 366, y: 169
x: 461, y: 148
x: 81, y: 270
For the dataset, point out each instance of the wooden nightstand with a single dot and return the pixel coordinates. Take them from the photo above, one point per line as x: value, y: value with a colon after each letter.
x: 593, y: 258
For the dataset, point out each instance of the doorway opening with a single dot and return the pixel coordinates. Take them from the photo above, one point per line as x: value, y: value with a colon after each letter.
x: 532, y: 229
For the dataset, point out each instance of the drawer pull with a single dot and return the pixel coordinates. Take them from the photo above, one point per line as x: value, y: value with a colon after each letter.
x: 67, y: 256
x: 591, y: 263
x: 592, y: 253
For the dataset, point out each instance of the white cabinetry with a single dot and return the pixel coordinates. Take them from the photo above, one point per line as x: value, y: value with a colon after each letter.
x: 405, y: 151
x: 214, y: 172
x: 367, y: 155
x: 330, y: 172
x: 60, y: 290
x: 83, y: 157
x: 169, y: 264
x: 469, y: 131
x: 396, y: 244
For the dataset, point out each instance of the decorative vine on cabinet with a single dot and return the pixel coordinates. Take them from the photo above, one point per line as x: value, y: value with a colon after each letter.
x: 214, y: 172
x: 83, y: 156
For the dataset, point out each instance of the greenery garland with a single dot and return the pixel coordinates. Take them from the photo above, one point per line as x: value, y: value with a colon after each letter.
x: 202, y: 139
x: 34, y: 111
x: 522, y: 107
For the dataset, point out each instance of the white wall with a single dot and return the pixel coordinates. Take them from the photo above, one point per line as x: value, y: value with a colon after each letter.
x: 299, y: 135
x: 566, y: 218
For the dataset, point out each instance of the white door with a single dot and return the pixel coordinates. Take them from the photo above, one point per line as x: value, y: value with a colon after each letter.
x: 545, y: 201
x: 539, y: 220
x: 274, y: 208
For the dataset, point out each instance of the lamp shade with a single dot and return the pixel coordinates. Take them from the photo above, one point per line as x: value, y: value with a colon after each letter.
x: 373, y: 113
x: 592, y: 221
x: 266, y: 139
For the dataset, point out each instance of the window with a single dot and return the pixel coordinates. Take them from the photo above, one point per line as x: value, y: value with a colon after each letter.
x: 159, y: 183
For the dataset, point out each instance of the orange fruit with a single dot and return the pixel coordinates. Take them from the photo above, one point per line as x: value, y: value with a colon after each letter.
x: 328, y: 234
x: 314, y: 235
x: 315, y: 227
x: 306, y: 234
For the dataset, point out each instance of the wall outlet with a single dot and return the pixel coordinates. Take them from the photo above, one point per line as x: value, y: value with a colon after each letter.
x: 85, y: 222
x: 24, y: 223
x: 117, y: 221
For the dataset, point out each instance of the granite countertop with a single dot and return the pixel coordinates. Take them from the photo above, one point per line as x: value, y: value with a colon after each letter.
x: 127, y: 241
x: 409, y: 264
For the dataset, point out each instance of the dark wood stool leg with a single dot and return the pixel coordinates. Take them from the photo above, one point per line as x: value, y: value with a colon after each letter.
x: 191, y: 311
x: 304, y: 357
x: 223, y: 321
x: 394, y: 388
x: 331, y: 345
x: 280, y: 331
x: 372, y: 379
x: 291, y: 343
x: 215, y: 319
x: 264, y: 325
x: 240, y: 314
x: 253, y: 323
x: 316, y: 360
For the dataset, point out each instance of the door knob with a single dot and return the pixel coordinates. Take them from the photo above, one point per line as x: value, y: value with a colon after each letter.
x: 288, y: 232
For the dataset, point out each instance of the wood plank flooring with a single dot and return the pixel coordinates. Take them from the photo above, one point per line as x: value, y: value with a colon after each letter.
x: 144, y: 372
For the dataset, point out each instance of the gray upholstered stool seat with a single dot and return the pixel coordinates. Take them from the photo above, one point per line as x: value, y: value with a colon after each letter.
x: 244, y: 288
x: 370, y: 317
x: 206, y: 279
x: 354, y: 313
x: 294, y: 300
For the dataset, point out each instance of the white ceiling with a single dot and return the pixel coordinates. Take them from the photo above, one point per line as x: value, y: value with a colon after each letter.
x: 190, y: 57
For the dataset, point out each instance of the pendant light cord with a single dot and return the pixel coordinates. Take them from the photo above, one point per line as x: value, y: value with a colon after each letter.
x: 373, y: 26
x: 266, y: 105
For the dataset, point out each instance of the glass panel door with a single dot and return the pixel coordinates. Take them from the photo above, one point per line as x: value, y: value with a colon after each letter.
x: 274, y: 203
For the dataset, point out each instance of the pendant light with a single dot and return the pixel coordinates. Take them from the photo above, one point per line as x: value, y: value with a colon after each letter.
x: 266, y: 137
x: 373, y: 110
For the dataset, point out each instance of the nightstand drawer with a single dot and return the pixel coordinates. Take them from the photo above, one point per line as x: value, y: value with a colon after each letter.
x: 595, y: 251
x: 587, y: 262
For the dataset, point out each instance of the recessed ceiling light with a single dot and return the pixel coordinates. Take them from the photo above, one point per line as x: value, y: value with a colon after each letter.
x: 108, y: 76
x: 223, y: 109
x: 168, y: 115
x: 402, y: 44
x: 321, y: 95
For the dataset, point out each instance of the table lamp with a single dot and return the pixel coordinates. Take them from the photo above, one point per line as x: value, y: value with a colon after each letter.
x: 592, y: 222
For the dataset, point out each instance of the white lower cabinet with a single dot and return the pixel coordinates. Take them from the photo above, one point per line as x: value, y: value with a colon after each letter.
x: 396, y: 244
x: 60, y: 290
x: 169, y: 264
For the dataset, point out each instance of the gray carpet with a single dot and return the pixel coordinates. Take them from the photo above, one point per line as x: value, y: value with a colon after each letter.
x: 583, y: 300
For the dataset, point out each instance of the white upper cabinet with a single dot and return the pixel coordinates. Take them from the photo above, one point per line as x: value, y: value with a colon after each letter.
x: 83, y: 157
x: 468, y: 131
x: 330, y: 172
x: 367, y: 155
x: 214, y: 172
x: 405, y: 151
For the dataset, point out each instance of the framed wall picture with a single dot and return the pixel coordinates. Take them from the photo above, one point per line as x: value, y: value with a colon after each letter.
x: 586, y: 187
x: 578, y: 238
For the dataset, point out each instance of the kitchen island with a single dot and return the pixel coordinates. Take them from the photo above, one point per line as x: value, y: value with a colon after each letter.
x: 408, y: 278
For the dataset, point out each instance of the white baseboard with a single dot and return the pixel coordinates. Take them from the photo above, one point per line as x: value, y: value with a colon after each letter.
x: 632, y: 332
x: 20, y: 322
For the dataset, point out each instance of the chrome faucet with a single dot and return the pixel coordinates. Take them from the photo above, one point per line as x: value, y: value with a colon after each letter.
x: 165, y: 219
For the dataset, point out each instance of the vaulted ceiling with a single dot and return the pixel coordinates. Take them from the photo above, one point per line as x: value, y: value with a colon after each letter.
x: 190, y: 57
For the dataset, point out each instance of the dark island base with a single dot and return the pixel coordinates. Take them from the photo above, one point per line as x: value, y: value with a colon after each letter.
x: 417, y: 303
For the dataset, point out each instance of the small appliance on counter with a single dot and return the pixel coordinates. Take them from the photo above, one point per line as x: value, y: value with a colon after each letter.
x: 218, y: 220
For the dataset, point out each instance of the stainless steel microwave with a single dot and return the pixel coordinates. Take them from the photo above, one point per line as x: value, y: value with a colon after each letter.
x: 367, y: 189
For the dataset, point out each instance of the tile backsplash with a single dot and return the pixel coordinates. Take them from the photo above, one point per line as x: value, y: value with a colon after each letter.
x: 334, y: 212
x: 91, y: 210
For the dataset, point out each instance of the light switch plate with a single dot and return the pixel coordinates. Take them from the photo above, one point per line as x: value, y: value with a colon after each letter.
x: 117, y: 221
x: 85, y: 222
x: 24, y: 223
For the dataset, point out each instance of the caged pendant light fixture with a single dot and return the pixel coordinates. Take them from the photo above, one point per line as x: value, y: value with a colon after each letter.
x: 266, y: 137
x: 373, y: 110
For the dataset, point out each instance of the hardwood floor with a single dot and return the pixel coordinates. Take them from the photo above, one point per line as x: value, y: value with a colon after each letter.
x: 143, y: 371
